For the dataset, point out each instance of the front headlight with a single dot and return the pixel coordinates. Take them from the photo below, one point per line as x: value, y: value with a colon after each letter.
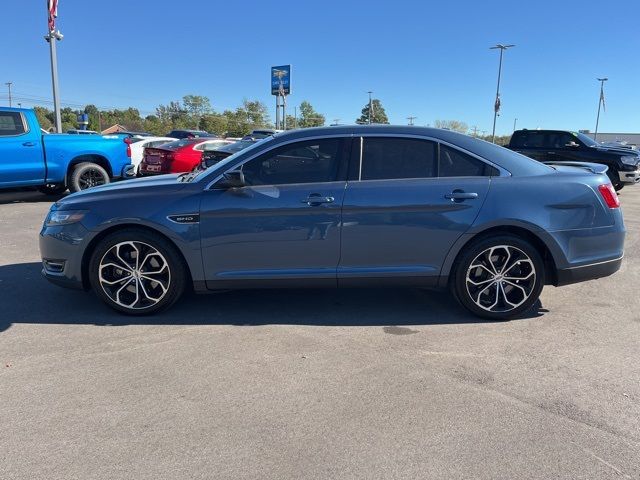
x: 64, y: 217
x: 630, y: 160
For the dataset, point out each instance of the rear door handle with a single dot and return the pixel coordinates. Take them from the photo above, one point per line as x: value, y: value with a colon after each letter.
x: 459, y: 195
x: 29, y: 144
x: 551, y: 153
x: 316, y: 199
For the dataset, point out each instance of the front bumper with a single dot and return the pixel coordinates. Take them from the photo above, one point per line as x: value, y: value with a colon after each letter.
x: 61, y: 249
x: 629, y: 177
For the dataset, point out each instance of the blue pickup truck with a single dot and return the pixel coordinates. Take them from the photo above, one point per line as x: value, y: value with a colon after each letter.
x: 29, y: 157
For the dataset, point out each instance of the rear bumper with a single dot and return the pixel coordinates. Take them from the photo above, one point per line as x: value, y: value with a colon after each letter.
x: 567, y: 276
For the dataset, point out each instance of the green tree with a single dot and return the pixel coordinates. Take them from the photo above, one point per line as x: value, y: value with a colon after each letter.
x: 378, y: 114
x: 309, y: 117
x: 44, y: 116
x: 455, y: 125
x: 214, y: 123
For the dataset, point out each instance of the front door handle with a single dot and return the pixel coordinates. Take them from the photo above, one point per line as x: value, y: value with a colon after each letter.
x: 551, y: 153
x: 29, y: 144
x: 459, y: 195
x: 316, y: 199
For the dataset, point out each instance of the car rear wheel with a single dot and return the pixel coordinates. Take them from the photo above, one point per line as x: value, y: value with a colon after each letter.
x: 137, y: 272
x: 86, y: 175
x: 498, y: 277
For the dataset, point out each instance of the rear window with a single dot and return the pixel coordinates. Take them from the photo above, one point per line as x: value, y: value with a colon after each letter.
x: 11, y: 124
x: 180, y: 143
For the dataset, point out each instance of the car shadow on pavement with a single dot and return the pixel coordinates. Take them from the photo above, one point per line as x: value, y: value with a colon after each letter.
x: 26, y: 297
x: 27, y: 196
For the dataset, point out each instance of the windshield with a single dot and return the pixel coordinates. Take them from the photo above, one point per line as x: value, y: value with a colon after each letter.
x: 588, y: 141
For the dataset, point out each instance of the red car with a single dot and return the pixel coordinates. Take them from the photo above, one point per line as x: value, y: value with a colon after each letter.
x: 177, y: 157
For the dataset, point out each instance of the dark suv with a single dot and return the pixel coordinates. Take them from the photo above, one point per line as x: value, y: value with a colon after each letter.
x: 180, y: 134
x: 552, y: 146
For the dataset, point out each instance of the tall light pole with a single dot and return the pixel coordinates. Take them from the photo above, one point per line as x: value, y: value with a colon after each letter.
x: 515, y: 120
x: 8, y: 84
x: 496, y: 107
x: 52, y: 37
x: 600, y: 102
x: 411, y: 119
x: 370, y: 107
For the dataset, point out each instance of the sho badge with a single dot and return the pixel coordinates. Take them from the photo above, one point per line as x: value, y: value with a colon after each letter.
x: 185, y: 218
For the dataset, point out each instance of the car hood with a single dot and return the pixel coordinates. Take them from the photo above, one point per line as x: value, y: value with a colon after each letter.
x: 134, y: 188
x: 619, y: 151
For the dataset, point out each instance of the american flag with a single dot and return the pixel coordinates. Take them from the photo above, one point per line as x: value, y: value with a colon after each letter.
x: 52, y: 9
x: 496, y: 107
x: 602, y: 97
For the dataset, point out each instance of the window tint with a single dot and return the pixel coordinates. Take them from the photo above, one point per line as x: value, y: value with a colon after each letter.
x: 11, y: 124
x: 558, y: 139
x: 528, y: 139
x: 389, y: 158
x: 313, y: 161
x: 454, y: 163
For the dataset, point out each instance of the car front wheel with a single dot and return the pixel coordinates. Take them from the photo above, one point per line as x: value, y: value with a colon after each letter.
x: 498, y: 277
x: 137, y: 272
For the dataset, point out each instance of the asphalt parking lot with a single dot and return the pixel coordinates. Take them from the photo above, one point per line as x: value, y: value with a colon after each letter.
x: 314, y: 384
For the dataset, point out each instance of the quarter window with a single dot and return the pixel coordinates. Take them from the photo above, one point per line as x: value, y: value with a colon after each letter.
x: 313, y: 161
x: 454, y: 163
x: 393, y: 158
x: 11, y: 124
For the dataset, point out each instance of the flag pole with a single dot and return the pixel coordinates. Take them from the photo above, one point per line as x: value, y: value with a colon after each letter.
x: 52, y: 37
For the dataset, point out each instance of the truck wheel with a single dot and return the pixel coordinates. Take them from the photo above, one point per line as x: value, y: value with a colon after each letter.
x: 86, y: 175
x: 136, y: 272
x: 53, y: 188
x: 615, y: 181
x: 498, y: 277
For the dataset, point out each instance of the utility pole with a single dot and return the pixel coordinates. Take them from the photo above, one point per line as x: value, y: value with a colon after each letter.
x: 370, y: 107
x: 335, y: 121
x: 8, y: 84
x: 295, y: 116
x: 600, y: 102
x: 475, y: 130
x: 496, y: 106
x: 411, y: 119
x: 515, y: 120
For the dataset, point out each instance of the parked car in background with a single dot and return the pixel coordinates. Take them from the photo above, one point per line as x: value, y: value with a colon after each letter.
x: 177, y: 156
x: 261, y: 133
x: 73, y: 131
x: 342, y: 207
x: 552, y: 146
x: 212, y: 156
x: 55, y: 162
x: 180, y: 134
x: 139, y: 144
x: 124, y: 134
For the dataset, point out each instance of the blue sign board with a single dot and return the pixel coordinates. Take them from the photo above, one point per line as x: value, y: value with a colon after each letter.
x: 281, y: 80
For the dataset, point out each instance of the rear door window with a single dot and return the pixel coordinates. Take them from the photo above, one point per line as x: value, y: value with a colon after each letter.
x: 393, y: 158
x: 11, y: 124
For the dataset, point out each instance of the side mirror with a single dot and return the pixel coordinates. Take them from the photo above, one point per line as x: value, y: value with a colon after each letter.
x: 232, y: 179
x: 572, y: 145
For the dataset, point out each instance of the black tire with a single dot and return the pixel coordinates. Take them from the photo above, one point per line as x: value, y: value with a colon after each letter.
x: 166, y: 294
x: 615, y: 180
x: 86, y: 175
x: 478, y: 298
x: 53, y: 189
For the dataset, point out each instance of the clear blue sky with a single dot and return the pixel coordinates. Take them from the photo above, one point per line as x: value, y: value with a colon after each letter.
x: 421, y: 58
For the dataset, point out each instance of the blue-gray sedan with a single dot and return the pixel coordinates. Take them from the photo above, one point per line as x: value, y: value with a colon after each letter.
x: 341, y: 207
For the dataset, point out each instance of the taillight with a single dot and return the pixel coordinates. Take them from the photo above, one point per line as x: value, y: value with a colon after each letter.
x: 609, y: 195
x: 127, y: 140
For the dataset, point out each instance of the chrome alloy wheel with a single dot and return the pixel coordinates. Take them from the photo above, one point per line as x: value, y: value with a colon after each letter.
x: 134, y: 275
x: 501, y: 278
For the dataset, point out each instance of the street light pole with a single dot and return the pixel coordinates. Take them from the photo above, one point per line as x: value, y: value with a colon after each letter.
x: 8, y: 84
x: 411, y: 119
x: 600, y: 102
x: 370, y: 107
x: 515, y: 120
x: 496, y: 107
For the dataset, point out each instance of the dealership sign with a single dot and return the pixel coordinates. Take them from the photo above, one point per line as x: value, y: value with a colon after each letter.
x: 281, y: 80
